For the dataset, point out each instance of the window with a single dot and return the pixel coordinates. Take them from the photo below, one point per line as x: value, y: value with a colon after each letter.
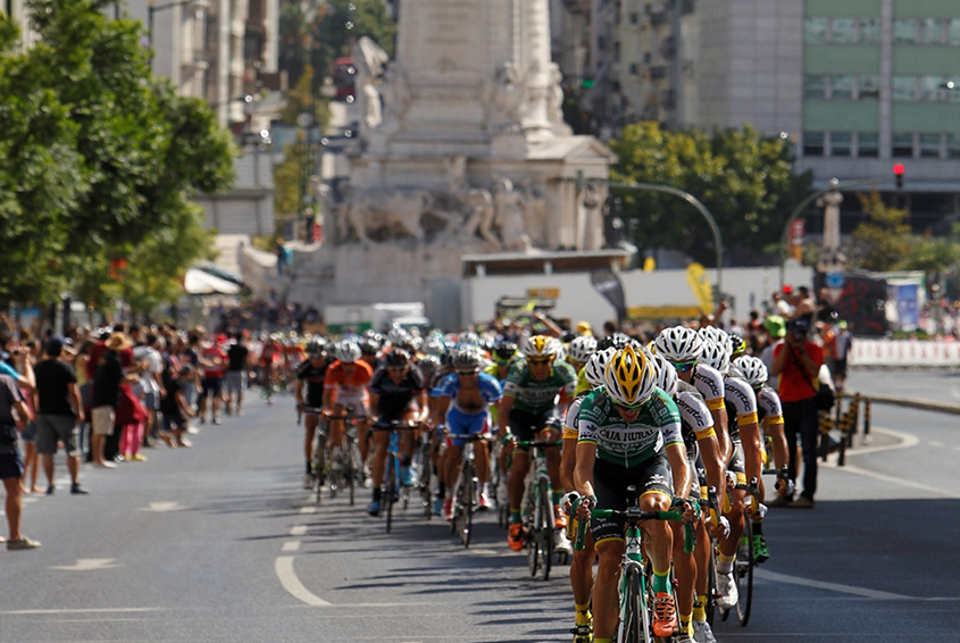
x: 932, y: 88
x: 868, y: 145
x: 841, y: 143
x: 815, y: 87
x: 902, y: 145
x: 843, y: 31
x: 815, y: 31
x: 930, y: 146
x: 905, y: 31
x: 952, y: 89
x: 813, y: 143
x: 931, y: 31
x: 953, y: 32
x: 904, y: 87
x: 841, y: 87
x: 869, y: 31
x: 953, y: 146
x: 869, y: 87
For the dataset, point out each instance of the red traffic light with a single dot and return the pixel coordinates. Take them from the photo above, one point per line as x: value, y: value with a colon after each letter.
x: 898, y: 173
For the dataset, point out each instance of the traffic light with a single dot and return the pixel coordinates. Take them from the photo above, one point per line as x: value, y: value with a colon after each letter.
x: 898, y: 174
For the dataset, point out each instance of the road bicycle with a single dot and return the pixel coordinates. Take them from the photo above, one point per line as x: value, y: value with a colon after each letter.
x: 538, y: 513
x: 345, y: 469
x: 320, y: 457
x: 636, y: 587
x: 393, y: 490
x: 425, y: 474
x: 465, y: 497
x: 746, y: 560
x: 498, y: 486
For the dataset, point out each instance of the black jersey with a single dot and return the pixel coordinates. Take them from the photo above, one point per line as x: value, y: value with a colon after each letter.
x: 313, y: 378
x: 395, y: 398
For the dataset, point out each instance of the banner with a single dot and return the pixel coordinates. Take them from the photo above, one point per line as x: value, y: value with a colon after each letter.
x: 700, y: 285
x: 908, y: 309
x: 608, y: 285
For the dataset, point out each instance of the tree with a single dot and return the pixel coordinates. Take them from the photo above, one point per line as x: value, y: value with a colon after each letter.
x: 884, y: 241
x: 744, y: 179
x: 103, y: 157
x: 345, y: 21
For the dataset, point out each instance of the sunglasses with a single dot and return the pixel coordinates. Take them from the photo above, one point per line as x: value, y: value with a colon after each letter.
x: 501, y: 361
x: 465, y: 373
x: 683, y: 367
x: 629, y: 407
x: 545, y: 360
x: 317, y: 356
x: 396, y: 368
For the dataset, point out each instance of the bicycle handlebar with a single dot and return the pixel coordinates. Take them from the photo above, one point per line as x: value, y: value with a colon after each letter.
x: 469, y: 437
x: 634, y: 515
x: 393, y: 425
x: 539, y: 444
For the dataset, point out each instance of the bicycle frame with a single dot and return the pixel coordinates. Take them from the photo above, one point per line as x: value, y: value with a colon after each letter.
x: 538, y: 509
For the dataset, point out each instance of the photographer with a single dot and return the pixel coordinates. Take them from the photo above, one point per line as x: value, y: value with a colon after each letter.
x: 797, y: 361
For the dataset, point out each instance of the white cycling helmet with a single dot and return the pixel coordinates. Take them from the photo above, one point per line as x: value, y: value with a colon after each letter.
x: 679, y: 344
x: 542, y: 347
x: 582, y: 348
x: 666, y: 375
x: 753, y: 370
x: 718, y: 335
x: 630, y: 379
x: 717, y: 355
x: 597, y: 366
x: 467, y: 358
x: 347, y: 351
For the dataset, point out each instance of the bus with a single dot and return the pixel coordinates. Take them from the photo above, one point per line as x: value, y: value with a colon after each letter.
x: 344, y: 74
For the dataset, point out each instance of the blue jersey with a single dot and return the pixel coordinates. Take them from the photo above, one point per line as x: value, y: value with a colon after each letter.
x: 490, y: 389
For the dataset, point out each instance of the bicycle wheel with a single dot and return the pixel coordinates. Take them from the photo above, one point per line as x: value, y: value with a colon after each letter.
x: 711, y: 596
x: 634, y: 619
x: 467, y: 495
x: 319, y: 467
x: 352, y: 470
x: 423, y: 482
x: 389, y: 488
x: 743, y: 572
x: 546, y: 526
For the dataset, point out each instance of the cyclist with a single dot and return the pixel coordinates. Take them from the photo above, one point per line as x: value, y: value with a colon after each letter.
x: 703, y: 452
x: 345, y: 388
x: 770, y: 414
x: 369, y: 349
x: 463, y: 402
x: 741, y: 403
x: 529, y: 407
x: 581, y: 568
x: 504, y: 354
x: 311, y: 375
x: 397, y: 392
x: 269, y: 361
x: 630, y: 435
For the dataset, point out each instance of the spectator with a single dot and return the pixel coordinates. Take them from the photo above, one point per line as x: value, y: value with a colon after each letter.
x: 239, y: 363
x: 843, y: 342
x: 11, y: 463
x: 106, y: 395
x: 797, y: 361
x: 281, y: 253
x: 148, y: 354
x: 59, y: 411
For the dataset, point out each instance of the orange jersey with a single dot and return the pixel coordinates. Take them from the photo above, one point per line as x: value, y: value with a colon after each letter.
x: 354, y: 384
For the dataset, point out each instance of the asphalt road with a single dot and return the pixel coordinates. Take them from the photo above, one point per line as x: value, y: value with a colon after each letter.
x: 217, y: 543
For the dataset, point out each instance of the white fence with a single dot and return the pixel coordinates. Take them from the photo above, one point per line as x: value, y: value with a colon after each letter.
x: 886, y: 352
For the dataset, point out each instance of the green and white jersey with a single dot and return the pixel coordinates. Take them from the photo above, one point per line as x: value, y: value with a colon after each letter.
x: 536, y: 397
x: 629, y: 445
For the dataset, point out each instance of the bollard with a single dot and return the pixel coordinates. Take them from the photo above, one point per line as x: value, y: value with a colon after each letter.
x: 866, y: 420
x: 826, y: 423
x: 856, y: 419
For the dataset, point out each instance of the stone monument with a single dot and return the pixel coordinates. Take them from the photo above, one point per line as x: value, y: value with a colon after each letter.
x: 462, y: 150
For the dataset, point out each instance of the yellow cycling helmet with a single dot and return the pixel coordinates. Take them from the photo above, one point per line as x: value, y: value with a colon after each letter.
x: 541, y: 347
x: 630, y: 378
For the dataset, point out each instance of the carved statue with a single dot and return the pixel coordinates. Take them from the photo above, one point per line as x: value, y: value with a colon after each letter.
x: 536, y: 206
x: 370, y: 60
x: 511, y: 210
x: 397, y: 91
x: 481, y: 216
x: 503, y: 96
x: 555, y: 100
x: 387, y: 212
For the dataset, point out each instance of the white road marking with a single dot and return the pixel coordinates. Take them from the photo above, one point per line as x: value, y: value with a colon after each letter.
x: 90, y: 564
x: 165, y: 506
x: 298, y: 530
x: 899, y: 481
x: 936, y: 444
x: 93, y: 610
x: 291, y: 545
x: 846, y: 589
x: 308, y: 510
x: 288, y: 578
x: 906, y: 441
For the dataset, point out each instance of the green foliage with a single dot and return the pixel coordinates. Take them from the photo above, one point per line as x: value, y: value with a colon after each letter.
x: 744, y: 179
x: 97, y: 159
x: 343, y: 22
x: 287, y: 179
x: 882, y: 242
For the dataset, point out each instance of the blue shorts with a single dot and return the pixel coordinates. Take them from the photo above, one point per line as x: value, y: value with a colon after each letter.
x: 11, y: 465
x: 462, y: 423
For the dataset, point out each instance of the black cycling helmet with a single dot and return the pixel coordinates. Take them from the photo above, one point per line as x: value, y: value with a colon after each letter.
x: 617, y: 340
x: 316, y: 347
x: 505, y: 351
x: 397, y: 357
x: 369, y: 346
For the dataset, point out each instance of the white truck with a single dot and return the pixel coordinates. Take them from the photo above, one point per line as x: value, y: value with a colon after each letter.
x: 356, y: 318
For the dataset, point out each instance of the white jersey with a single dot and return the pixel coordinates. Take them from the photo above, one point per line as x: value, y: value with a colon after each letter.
x: 740, y: 396
x: 709, y: 383
x: 768, y: 403
x: 696, y: 422
x: 571, y: 427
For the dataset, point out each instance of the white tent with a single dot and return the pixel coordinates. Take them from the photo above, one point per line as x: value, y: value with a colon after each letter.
x: 200, y: 282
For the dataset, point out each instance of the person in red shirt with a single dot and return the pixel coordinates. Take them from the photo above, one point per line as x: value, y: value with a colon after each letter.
x: 345, y: 388
x: 797, y: 361
x: 213, y: 363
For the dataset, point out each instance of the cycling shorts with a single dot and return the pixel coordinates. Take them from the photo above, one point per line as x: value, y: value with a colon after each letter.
x: 527, y: 426
x: 610, y: 483
x: 210, y: 386
x: 466, y: 423
x: 357, y: 401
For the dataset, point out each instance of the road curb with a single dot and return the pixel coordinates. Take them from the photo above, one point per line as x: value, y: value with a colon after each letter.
x: 924, y: 405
